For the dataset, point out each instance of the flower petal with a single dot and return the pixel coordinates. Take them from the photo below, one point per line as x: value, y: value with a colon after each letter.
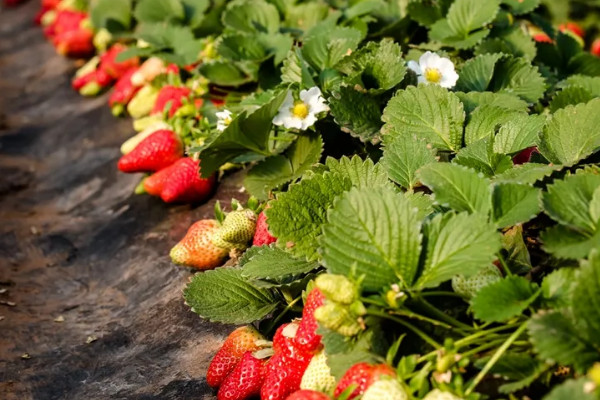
x: 415, y: 67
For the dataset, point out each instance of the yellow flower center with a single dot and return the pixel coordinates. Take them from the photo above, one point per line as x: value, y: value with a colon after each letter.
x: 300, y: 110
x: 433, y: 75
x: 227, y: 121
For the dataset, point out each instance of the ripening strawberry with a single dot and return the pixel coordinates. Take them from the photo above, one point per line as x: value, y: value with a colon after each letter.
x: 308, y: 395
x: 318, y: 375
x: 239, y: 342
x: 595, y: 49
x: 572, y: 27
x: 122, y: 93
x: 388, y: 389
x: 245, y: 380
x: 197, y: 249
x: 469, y: 287
x: 172, y: 95
x: 306, y: 337
x: 181, y: 183
x: 262, y: 237
x: 542, y: 38
x: 149, y: 70
x: 237, y: 229
x: 114, y: 68
x: 159, y: 150
x: 363, y: 375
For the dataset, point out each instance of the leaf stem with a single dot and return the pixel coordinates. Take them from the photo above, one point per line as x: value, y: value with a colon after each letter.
x: 282, y: 314
x: 426, y: 338
x: 441, y: 315
x: 441, y: 293
x: 501, y: 350
x: 504, y: 265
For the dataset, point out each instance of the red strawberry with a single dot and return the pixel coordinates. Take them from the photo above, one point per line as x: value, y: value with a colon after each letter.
x: 245, y: 380
x: 157, y: 151
x: 362, y: 375
x: 525, y: 155
x: 239, y: 342
x: 542, y: 38
x: 197, y: 249
x: 262, y: 237
x: 109, y: 64
x: 572, y: 27
x: 170, y: 95
x: 286, y: 367
x: 184, y: 184
x: 50, y: 4
x: 306, y: 337
x: 308, y: 395
x: 595, y: 49
x: 74, y: 43
x: 123, y: 92
x: 65, y: 21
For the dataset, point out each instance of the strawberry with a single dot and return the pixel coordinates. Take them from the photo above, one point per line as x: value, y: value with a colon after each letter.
x: 318, y: 375
x: 245, y: 380
x: 132, y: 142
x: 110, y: 65
x: 238, y: 342
x: 237, y: 229
x: 92, y: 83
x: 308, y: 395
x: 469, y: 287
x: 197, y: 250
x: 181, y: 183
x: 172, y: 95
x: 542, y: 38
x: 74, y: 43
x: 286, y: 367
x: 572, y: 27
x: 65, y: 21
x: 525, y: 155
x: 389, y: 389
x: 307, y: 338
x: 122, y: 93
x: 437, y: 394
x: 363, y: 375
x: 157, y: 151
x: 595, y: 49
x: 149, y: 70
x: 262, y: 237
x: 143, y: 101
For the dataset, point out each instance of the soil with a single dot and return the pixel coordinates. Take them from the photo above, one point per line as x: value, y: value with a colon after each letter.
x: 77, y: 246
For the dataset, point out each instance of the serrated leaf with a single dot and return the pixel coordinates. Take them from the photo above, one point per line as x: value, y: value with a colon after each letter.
x: 104, y: 13
x: 296, y: 70
x: 592, y: 84
x: 457, y: 244
x: 514, y: 42
x: 240, y: 47
x: 251, y: 16
x: 305, y: 15
x: 519, y: 367
x: 403, y: 155
x: 276, y: 266
x: 429, y: 112
x: 277, y: 170
x: 296, y: 216
x: 517, y: 258
x: 223, y: 295
x: 375, y: 232
x: 457, y: 187
x: 465, y: 16
x: 485, y: 120
x: 519, y: 7
x: 427, y: 12
x: 518, y: 76
x: 472, y: 100
x: 477, y: 73
x: 568, y: 201
x: 557, y: 287
x: 503, y: 300
x: 326, y: 44
x: 572, y: 389
x: 584, y: 63
x: 343, y: 353
x: 570, y: 96
x: 514, y: 203
x: 519, y: 133
x: 226, y: 73
x: 564, y: 242
x: 528, y: 173
x: 158, y: 10
x: 571, y: 134
x: 556, y: 339
x: 194, y: 11
x: 362, y: 173
x: 481, y: 157
x: 357, y: 113
x: 586, y: 298
x: 442, y: 32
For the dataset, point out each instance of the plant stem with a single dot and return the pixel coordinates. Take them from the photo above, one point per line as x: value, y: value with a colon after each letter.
x: 410, y: 314
x: 504, y: 265
x: 441, y: 315
x: 441, y: 293
x: 408, y: 326
x: 282, y: 314
x: 501, y: 350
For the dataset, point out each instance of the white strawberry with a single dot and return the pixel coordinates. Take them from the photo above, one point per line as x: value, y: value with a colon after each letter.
x: 437, y: 394
x: 388, y: 389
x: 318, y: 375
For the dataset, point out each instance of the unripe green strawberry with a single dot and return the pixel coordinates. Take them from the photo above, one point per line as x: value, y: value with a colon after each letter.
x: 237, y: 230
x: 338, y: 318
x: 318, y: 375
x: 143, y: 102
x: 437, y: 394
x: 388, y: 389
x: 469, y: 287
x: 336, y: 288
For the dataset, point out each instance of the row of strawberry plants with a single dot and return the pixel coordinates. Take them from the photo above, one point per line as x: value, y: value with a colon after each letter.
x: 424, y: 180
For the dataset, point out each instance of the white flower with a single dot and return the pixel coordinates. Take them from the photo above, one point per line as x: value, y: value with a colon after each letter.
x: 301, y: 114
x: 224, y: 119
x: 432, y: 68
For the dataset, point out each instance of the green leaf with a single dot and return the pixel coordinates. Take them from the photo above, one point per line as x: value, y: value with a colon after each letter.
x: 296, y: 216
x: 514, y: 42
x: 362, y: 174
x: 519, y: 133
x: 519, y: 367
x: 528, y: 173
x: 159, y: 10
x: 465, y: 16
x: 305, y: 15
x: 247, y: 132
x: 564, y: 242
x: 571, y: 134
x: 457, y: 244
x: 104, y: 13
x: 572, y: 389
x: 481, y: 157
x: 568, y: 201
x: 517, y: 255
x: 556, y: 339
x: 276, y: 266
x: 514, y: 203
x: 226, y: 73
x: 326, y: 44
x: 457, y: 187
x: 503, y: 300
x: 592, y: 84
x: 376, y: 233
x: 557, y: 287
x: 251, y: 16
x: 223, y: 295
x: 277, y: 170
x: 518, y: 76
x: 472, y: 100
x: 429, y: 112
x: 240, y: 47
x: 296, y: 70
x: 584, y: 63
x: 570, y: 96
x: 357, y: 113
x: 519, y: 7
x: 343, y: 353
x: 442, y: 32
x: 586, y: 298
x: 485, y: 120
x: 403, y: 155
x: 194, y: 11
x: 426, y: 12
x: 476, y: 74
